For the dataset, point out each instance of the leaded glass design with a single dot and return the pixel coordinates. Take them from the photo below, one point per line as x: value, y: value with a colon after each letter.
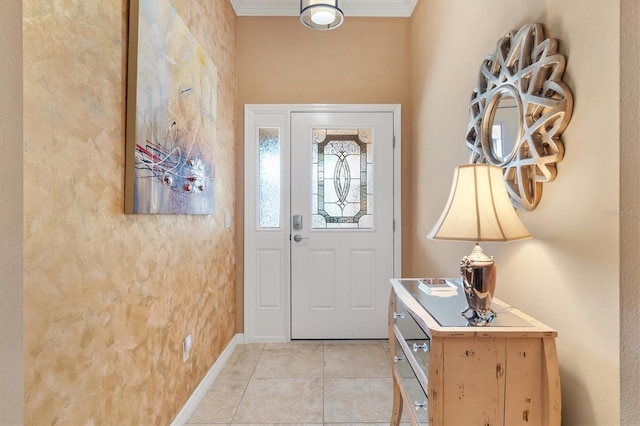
x: 269, y: 178
x: 342, y: 179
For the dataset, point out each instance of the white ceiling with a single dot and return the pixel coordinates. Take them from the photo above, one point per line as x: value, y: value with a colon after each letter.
x: 380, y: 8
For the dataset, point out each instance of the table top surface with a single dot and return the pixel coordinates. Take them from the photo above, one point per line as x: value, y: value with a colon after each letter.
x: 444, y: 300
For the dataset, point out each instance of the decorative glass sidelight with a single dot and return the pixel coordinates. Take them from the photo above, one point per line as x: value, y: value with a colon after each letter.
x: 269, y: 178
x: 342, y: 179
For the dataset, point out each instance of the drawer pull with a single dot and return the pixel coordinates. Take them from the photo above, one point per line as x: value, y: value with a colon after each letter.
x: 419, y: 405
x: 398, y: 315
x: 397, y: 358
x: 424, y: 347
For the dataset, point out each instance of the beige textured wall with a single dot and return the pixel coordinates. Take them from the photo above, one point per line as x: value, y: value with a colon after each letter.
x: 108, y: 297
x: 568, y: 275
x: 366, y: 60
x: 630, y: 220
x: 11, y: 380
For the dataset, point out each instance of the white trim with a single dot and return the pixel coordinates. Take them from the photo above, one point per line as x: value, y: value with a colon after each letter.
x: 397, y: 190
x: 360, y: 8
x: 192, y: 403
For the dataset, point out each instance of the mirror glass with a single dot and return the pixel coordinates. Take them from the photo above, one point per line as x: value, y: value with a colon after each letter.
x: 505, y: 128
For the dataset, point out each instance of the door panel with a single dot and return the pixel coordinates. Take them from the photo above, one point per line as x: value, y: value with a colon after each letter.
x: 342, y: 257
x: 269, y: 279
x: 362, y: 279
x: 266, y: 225
x: 322, y: 283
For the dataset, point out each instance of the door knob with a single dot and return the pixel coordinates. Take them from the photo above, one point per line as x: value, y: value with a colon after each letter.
x: 297, y: 238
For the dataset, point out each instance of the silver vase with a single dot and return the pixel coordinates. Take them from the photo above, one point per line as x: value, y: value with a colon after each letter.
x: 478, y: 276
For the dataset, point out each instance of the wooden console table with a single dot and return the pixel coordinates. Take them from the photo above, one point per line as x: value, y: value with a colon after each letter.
x: 452, y: 373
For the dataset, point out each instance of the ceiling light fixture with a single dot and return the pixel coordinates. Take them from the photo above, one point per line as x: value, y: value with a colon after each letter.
x: 321, y: 14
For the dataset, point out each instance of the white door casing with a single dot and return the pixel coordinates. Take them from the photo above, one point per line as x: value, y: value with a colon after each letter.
x: 268, y: 249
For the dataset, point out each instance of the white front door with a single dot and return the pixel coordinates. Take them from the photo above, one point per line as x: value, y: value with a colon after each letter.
x: 342, y: 224
x: 336, y: 169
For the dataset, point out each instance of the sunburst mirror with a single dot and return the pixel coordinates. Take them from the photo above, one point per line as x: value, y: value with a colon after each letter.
x: 518, y: 111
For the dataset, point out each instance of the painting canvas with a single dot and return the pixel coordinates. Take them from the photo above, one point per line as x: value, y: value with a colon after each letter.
x: 171, y: 115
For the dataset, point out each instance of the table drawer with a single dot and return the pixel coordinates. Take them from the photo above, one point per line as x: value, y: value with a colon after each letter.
x: 417, y: 396
x: 415, y: 337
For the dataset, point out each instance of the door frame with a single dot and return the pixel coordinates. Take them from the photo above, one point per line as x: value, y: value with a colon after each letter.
x: 277, y: 314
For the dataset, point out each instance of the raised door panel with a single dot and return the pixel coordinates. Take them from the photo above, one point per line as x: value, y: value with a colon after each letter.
x: 269, y: 279
x: 269, y: 294
x: 362, y: 280
x: 322, y: 279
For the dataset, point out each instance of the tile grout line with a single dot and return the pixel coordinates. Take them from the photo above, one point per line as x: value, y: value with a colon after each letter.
x: 324, y: 347
x: 324, y: 343
x: 235, y: 412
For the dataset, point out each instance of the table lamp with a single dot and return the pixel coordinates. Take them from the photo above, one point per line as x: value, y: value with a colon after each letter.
x: 478, y: 210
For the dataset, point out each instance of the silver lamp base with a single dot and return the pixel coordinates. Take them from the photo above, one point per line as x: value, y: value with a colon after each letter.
x: 478, y: 276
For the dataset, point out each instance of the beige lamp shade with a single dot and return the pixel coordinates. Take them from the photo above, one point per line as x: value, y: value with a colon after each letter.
x: 479, y: 208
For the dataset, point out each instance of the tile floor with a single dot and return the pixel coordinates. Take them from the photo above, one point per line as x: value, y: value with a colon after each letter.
x: 330, y: 382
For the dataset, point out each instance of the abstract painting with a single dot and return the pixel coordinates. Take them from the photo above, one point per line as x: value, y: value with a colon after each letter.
x: 171, y: 115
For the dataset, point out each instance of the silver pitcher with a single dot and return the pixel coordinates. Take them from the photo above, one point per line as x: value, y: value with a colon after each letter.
x: 478, y: 276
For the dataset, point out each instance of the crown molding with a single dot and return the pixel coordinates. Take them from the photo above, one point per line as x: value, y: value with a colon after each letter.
x: 371, y: 8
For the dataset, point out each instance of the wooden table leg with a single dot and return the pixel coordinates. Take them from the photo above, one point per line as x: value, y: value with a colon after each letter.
x: 397, y: 396
x: 396, y: 414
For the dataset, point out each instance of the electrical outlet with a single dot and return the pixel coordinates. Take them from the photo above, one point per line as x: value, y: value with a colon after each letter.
x: 186, y: 347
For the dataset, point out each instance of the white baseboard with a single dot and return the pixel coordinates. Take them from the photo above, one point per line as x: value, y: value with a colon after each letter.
x: 192, y: 403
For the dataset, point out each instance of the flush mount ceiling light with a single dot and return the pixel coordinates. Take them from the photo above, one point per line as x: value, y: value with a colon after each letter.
x: 321, y: 14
